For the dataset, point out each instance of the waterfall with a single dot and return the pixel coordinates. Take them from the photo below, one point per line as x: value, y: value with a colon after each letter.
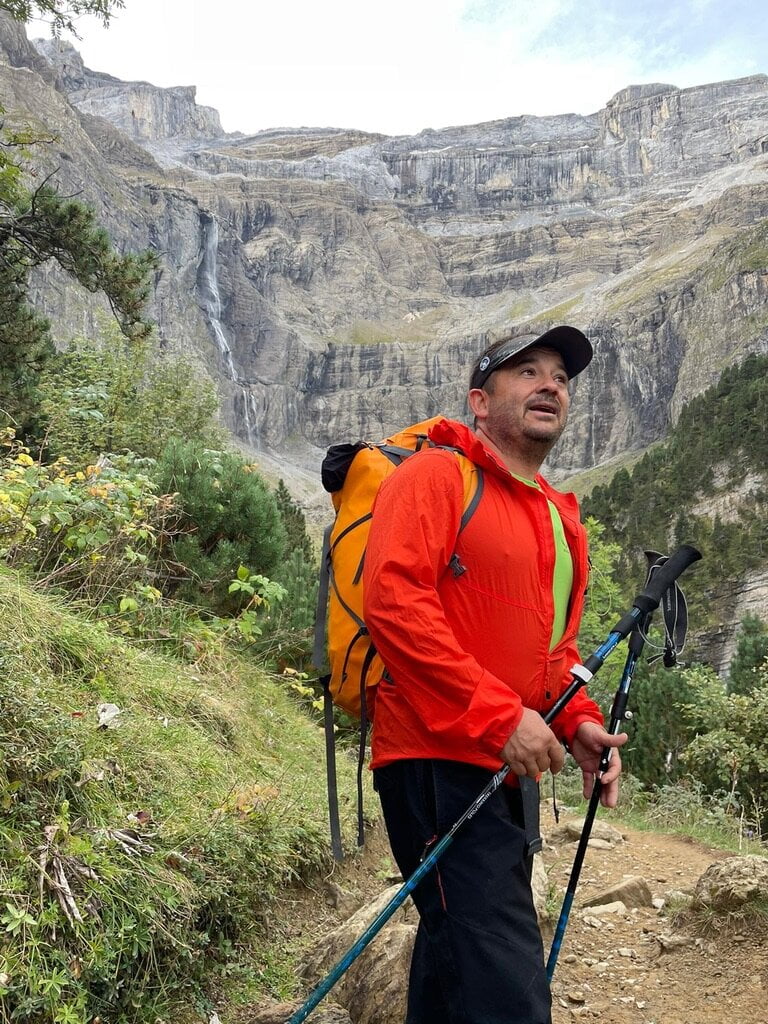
x: 210, y: 301
x: 208, y: 290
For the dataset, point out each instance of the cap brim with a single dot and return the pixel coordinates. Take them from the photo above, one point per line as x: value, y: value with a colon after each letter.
x: 572, y: 345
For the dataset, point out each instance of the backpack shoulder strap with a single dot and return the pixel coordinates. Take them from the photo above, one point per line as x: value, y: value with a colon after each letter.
x: 474, y: 482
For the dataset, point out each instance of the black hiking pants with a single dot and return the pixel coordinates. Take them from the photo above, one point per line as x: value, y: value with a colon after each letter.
x: 478, y: 957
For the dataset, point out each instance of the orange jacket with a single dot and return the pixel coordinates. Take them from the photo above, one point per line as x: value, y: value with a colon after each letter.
x: 467, y: 652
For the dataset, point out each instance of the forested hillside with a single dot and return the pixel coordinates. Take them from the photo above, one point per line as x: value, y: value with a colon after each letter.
x: 707, y: 484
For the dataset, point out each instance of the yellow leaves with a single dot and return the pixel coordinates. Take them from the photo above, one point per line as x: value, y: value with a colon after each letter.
x: 23, y: 459
x: 246, y: 802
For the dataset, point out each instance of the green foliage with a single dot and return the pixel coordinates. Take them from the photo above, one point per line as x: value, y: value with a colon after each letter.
x: 61, y: 16
x: 751, y: 653
x: 228, y: 518
x: 721, y: 437
x: 290, y: 639
x: 683, y: 807
x: 728, y: 751
x: 173, y: 831
x: 658, y: 733
x: 602, y: 609
x: 117, y: 395
x: 39, y: 225
x: 93, y: 530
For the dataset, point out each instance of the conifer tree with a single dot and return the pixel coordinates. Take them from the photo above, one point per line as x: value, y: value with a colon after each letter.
x: 751, y: 652
x: 60, y: 15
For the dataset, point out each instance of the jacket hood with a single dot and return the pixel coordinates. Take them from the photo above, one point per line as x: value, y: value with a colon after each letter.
x: 458, y: 435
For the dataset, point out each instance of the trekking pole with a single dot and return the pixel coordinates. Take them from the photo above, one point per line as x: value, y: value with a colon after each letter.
x: 618, y: 713
x: 643, y: 605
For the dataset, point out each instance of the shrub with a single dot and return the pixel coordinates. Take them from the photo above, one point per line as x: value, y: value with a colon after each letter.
x: 116, y: 394
x: 227, y: 518
x: 94, y: 530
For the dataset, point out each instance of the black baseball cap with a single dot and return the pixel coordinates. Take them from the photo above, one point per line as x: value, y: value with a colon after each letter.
x: 573, y: 346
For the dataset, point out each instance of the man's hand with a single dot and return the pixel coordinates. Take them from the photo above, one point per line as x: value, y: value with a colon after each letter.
x: 533, y: 748
x: 587, y: 746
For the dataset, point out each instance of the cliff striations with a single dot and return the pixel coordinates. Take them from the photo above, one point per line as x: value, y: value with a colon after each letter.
x: 340, y: 283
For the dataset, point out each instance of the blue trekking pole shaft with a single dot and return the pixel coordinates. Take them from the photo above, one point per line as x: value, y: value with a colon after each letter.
x: 397, y: 901
x: 644, y: 603
x: 617, y: 715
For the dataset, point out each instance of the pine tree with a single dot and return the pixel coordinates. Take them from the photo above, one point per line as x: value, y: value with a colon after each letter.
x: 751, y: 652
x: 37, y: 226
x: 60, y: 16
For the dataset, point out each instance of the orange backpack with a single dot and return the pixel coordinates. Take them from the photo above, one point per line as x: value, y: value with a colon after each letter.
x: 353, y: 474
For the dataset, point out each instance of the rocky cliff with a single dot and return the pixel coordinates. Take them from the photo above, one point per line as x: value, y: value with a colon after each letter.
x: 340, y: 283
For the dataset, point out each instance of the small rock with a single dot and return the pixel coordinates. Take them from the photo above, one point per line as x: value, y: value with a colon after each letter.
x: 576, y: 996
x: 571, y: 830
x: 108, y: 715
x: 625, y: 951
x: 670, y: 942
x: 632, y: 891
x: 600, y: 844
x: 658, y: 903
x: 605, y: 909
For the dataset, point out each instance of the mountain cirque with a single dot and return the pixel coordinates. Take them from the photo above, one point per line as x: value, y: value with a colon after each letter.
x: 338, y: 284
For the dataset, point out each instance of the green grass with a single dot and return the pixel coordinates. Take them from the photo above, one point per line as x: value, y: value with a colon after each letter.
x: 681, y: 809
x: 584, y: 482
x: 213, y: 768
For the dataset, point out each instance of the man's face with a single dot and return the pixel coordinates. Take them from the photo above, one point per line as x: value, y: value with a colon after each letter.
x: 528, y: 401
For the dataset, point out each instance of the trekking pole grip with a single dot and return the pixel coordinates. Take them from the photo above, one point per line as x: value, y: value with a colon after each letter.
x: 662, y: 579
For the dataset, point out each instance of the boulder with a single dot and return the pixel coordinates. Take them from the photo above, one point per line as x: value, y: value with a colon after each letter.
x: 376, y: 983
x: 279, y: 1013
x: 375, y: 986
x: 730, y: 885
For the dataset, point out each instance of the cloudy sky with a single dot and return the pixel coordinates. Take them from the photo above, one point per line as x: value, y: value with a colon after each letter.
x: 402, y: 65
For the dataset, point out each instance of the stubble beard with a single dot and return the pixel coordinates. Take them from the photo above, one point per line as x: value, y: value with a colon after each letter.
x: 514, y: 435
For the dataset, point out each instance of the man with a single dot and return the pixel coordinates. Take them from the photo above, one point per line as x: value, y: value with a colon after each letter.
x: 477, y: 627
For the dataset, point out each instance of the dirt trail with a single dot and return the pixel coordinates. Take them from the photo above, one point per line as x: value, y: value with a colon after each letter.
x: 618, y: 969
x: 621, y: 972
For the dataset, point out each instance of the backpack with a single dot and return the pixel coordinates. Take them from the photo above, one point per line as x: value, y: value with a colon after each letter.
x: 353, y: 473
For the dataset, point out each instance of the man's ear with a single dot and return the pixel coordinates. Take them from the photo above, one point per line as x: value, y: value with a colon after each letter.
x: 477, y: 400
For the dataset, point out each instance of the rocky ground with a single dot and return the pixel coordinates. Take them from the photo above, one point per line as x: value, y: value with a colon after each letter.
x: 643, y: 967
x: 619, y: 964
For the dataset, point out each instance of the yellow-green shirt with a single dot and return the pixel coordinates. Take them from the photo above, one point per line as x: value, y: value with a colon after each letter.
x: 562, y: 576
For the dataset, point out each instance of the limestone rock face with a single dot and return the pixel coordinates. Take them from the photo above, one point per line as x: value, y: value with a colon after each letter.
x: 338, y: 284
x: 141, y: 110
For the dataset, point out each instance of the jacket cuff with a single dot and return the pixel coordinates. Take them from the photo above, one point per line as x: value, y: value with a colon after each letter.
x: 566, y: 730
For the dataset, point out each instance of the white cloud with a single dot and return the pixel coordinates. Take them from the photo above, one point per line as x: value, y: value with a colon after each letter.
x: 394, y: 68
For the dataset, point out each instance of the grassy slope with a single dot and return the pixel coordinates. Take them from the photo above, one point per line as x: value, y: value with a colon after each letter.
x: 222, y: 759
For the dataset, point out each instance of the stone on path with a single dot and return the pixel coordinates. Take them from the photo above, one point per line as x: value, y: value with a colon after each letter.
x: 632, y: 892
x: 570, y: 831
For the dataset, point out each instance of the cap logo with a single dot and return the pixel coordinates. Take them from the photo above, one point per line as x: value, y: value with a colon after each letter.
x: 485, y: 362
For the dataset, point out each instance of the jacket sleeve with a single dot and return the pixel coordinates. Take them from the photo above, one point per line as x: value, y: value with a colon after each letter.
x: 415, y: 524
